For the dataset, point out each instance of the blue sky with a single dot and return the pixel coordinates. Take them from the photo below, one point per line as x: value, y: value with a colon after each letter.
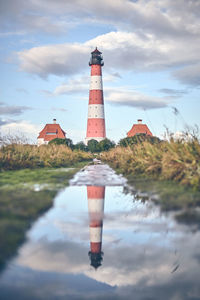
x: 151, y: 51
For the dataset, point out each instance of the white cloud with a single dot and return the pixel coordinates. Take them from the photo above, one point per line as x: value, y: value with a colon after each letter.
x: 147, y: 35
x: 120, y: 95
x: 76, y: 85
x: 163, y: 17
x: 65, y: 59
x: 21, y: 128
x: 121, y: 50
x: 133, y: 98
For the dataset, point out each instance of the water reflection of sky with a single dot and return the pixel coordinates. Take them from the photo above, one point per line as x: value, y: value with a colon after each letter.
x: 146, y: 253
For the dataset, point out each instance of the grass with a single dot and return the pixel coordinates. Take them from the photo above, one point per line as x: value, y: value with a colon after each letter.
x: 20, y: 156
x: 19, y: 178
x: 177, y: 161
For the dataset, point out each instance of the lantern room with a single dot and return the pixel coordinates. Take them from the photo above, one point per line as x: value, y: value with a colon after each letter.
x: 96, y: 58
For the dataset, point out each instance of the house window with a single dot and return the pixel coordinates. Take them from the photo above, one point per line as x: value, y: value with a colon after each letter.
x: 50, y: 133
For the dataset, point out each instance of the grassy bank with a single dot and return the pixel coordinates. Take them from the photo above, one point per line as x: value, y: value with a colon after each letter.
x: 19, y: 156
x: 177, y: 161
x: 167, y: 194
x: 182, y: 201
x: 24, y: 196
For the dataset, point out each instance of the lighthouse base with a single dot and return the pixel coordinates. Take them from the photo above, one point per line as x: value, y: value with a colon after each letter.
x: 98, y: 139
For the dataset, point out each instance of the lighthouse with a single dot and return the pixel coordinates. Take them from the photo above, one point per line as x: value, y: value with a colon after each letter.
x: 96, y: 196
x: 96, y: 120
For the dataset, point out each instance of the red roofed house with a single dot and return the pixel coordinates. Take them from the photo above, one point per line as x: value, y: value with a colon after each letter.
x: 50, y: 132
x: 138, y: 129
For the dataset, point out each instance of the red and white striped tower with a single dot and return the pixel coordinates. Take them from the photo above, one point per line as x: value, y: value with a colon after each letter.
x: 96, y: 121
x: 96, y: 196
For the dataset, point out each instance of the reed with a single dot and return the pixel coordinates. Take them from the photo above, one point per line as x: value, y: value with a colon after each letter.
x: 20, y: 156
x: 168, y: 160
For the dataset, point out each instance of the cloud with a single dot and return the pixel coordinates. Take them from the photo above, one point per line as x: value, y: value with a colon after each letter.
x: 147, y: 35
x: 29, y: 16
x: 189, y: 75
x: 12, y: 110
x: 121, y: 50
x: 173, y: 92
x: 78, y: 85
x: 20, y: 128
x: 134, y: 99
x: 120, y: 95
x: 5, y: 122
x: 73, y: 86
x: 65, y: 59
x: 117, y: 95
x: 160, y: 17
x: 112, y: 77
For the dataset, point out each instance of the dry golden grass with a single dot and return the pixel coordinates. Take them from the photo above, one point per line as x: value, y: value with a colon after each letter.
x: 19, y: 156
x: 179, y: 161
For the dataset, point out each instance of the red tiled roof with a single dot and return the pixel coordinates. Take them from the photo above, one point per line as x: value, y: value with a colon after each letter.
x: 56, y: 131
x: 139, y: 128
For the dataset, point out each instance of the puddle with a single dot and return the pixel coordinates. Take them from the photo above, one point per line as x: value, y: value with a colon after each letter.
x: 100, y: 242
x: 99, y: 175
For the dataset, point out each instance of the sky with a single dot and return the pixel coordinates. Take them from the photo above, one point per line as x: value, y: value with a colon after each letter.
x: 151, y: 51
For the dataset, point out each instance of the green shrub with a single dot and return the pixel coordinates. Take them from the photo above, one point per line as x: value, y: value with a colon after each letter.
x: 57, y: 141
x: 139, y: 138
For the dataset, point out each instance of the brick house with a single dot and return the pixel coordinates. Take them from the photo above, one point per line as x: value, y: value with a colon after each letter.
x: 50, y: 132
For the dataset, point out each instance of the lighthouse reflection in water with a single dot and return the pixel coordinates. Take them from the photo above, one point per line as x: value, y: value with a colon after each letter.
x: 96, y: 196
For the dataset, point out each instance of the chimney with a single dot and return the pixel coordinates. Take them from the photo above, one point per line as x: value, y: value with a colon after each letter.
x: 139, y: 121
x: 54, y: 121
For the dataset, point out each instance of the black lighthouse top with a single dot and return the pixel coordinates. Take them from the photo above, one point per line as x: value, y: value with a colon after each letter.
x: 96, y: 259
x: 96, y: 58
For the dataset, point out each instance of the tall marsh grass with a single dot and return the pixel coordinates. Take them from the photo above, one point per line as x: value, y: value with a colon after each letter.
x: 20, y: 156
x: 168, y: 160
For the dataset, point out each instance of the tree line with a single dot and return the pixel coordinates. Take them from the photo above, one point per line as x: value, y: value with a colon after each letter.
x: 106, y: 144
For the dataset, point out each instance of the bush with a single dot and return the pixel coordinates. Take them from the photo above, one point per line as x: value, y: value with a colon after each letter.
x: 80, y: 146
x: 93, y: 146
x: 104, y: 145
x: 57, y: 141
x: 139, y: 138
